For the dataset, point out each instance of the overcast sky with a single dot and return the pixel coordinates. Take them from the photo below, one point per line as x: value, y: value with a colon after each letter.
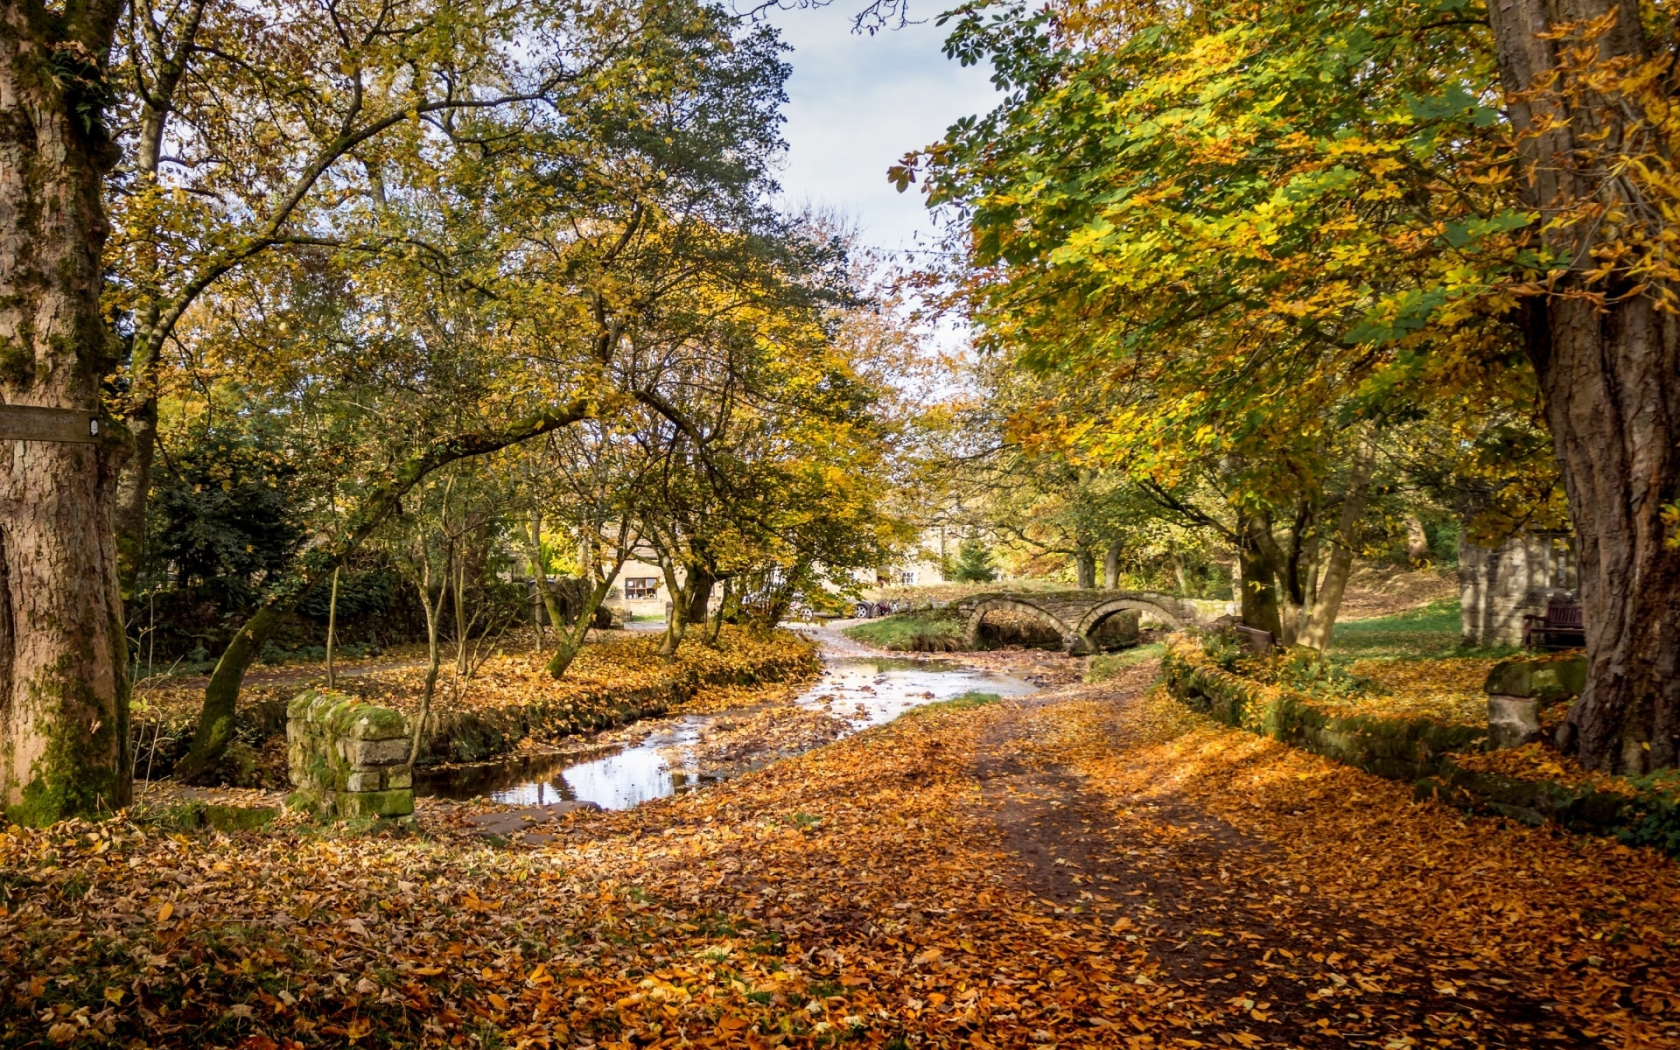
x: 858, y: 103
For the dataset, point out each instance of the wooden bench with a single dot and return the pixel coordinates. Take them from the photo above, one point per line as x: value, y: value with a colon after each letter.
x: 1561, y: 628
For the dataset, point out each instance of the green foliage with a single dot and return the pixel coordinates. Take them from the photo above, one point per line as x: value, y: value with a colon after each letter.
x: 935, y: 631
x: 1306, y: 671
x: 962, y: 702
x: 1223, y: 649
x: 1105, y: 666
x: 1658, y: 823
x: 973, y: 564
x: 223, y: 518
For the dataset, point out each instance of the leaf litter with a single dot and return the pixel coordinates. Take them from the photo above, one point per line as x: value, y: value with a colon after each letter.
x: 1090, y: 867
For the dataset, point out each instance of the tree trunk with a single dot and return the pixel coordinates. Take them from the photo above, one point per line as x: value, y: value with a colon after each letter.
x: 1417, y: 540
x: 1327, y: 602
x: 64, y: 686
x: 1111, y: 566
x: 1610, y: 374
x: 573, y: 635
x: 700, y: 582
x: 1259, y: 576
x: 717, y: 621
x: 434, y: 653
x: 1085, y: 566
x: 677, y: 622
x: 462, y: 626
x: 332, y: 627
x: 539, y: 575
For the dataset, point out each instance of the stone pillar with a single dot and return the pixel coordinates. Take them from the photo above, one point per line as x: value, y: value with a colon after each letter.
x: 347, y: 758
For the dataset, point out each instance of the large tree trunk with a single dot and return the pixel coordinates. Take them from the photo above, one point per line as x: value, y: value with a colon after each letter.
x: 699, y: 584
x: 63, y: 654
x: 1111, y: 567
x: 1610, y: 374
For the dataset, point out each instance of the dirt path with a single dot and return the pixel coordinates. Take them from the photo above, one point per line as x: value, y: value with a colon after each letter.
x: 1202, y: 896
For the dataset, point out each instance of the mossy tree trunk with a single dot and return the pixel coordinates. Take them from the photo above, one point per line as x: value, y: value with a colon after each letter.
x: 64, y: 685
x: 1605, y: 347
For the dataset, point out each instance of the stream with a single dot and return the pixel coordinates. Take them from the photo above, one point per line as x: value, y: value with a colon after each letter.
x: 857, y: 688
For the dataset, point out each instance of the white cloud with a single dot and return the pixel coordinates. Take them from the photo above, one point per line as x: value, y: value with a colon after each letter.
x: 858, y: 103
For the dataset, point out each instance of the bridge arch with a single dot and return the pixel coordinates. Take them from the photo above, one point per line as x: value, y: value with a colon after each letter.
x: 1071, y: 637
x: 1168, y: 612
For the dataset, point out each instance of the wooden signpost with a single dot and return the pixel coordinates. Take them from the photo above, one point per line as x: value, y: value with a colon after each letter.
x: 30, y: 423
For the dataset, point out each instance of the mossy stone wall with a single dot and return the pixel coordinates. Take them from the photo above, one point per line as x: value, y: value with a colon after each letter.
x: 348, y: 758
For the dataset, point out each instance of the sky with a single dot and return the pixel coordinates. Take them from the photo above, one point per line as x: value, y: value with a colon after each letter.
x: 857, y: 103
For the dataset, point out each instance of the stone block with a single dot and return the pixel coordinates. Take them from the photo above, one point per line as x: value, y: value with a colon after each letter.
x: 1547, y: 681
x: 367, y: 754
x: 397, y: 803
x: 1512, y: 721
x: 386, y: 779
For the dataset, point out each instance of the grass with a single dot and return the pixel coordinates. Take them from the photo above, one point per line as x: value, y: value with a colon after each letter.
x: 1106, y: 665
x: 1430, y: 632
x: 961, y: 702
x: 913, y: 632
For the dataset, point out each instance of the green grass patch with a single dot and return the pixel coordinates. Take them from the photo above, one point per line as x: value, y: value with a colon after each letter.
x: 912, y: 632
x: 962, y: 702
x: 1106, y: 665
x: 1430, y: 632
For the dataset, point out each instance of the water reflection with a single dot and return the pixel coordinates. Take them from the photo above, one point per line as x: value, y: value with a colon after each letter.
x: 862, y: 691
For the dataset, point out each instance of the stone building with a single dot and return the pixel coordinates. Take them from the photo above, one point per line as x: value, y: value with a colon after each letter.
x: 1499, y: 586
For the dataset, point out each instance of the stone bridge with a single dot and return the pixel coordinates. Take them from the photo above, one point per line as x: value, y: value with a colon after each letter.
x: 1075, y: 614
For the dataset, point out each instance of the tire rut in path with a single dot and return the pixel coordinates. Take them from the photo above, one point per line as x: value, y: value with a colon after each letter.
x: 1288, y: 965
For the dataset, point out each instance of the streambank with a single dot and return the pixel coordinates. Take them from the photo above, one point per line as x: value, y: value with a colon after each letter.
x: 856, y: 689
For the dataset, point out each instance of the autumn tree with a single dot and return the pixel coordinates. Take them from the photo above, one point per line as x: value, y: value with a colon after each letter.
x: 63, y: 656
x: 1246, y: 253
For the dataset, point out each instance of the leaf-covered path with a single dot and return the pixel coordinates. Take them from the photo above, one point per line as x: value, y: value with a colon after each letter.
x: 1093, y: 866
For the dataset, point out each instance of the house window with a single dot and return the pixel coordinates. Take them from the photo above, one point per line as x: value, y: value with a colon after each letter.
x: 641, y: 589
x: 907, y: 579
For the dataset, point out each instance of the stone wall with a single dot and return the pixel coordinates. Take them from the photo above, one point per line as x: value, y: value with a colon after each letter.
x: 1501, y: 585
x: 348, y: 758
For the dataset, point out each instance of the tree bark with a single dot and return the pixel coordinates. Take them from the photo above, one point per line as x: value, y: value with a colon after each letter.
x: 332, y: 626
x: 1417, y: 540
x: 1085, y: 566
x: 1111, y: 567
x: 434, y: 652
x: 1327, y: 601
x: 677, y: 622
x: 64, y: 685
x: 699, y: 583
x: 1608, y: 362
x: 1259, y: 575
x: 221, y: 695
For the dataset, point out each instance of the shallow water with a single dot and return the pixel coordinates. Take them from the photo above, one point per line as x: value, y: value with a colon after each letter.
x: 861, y: 691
